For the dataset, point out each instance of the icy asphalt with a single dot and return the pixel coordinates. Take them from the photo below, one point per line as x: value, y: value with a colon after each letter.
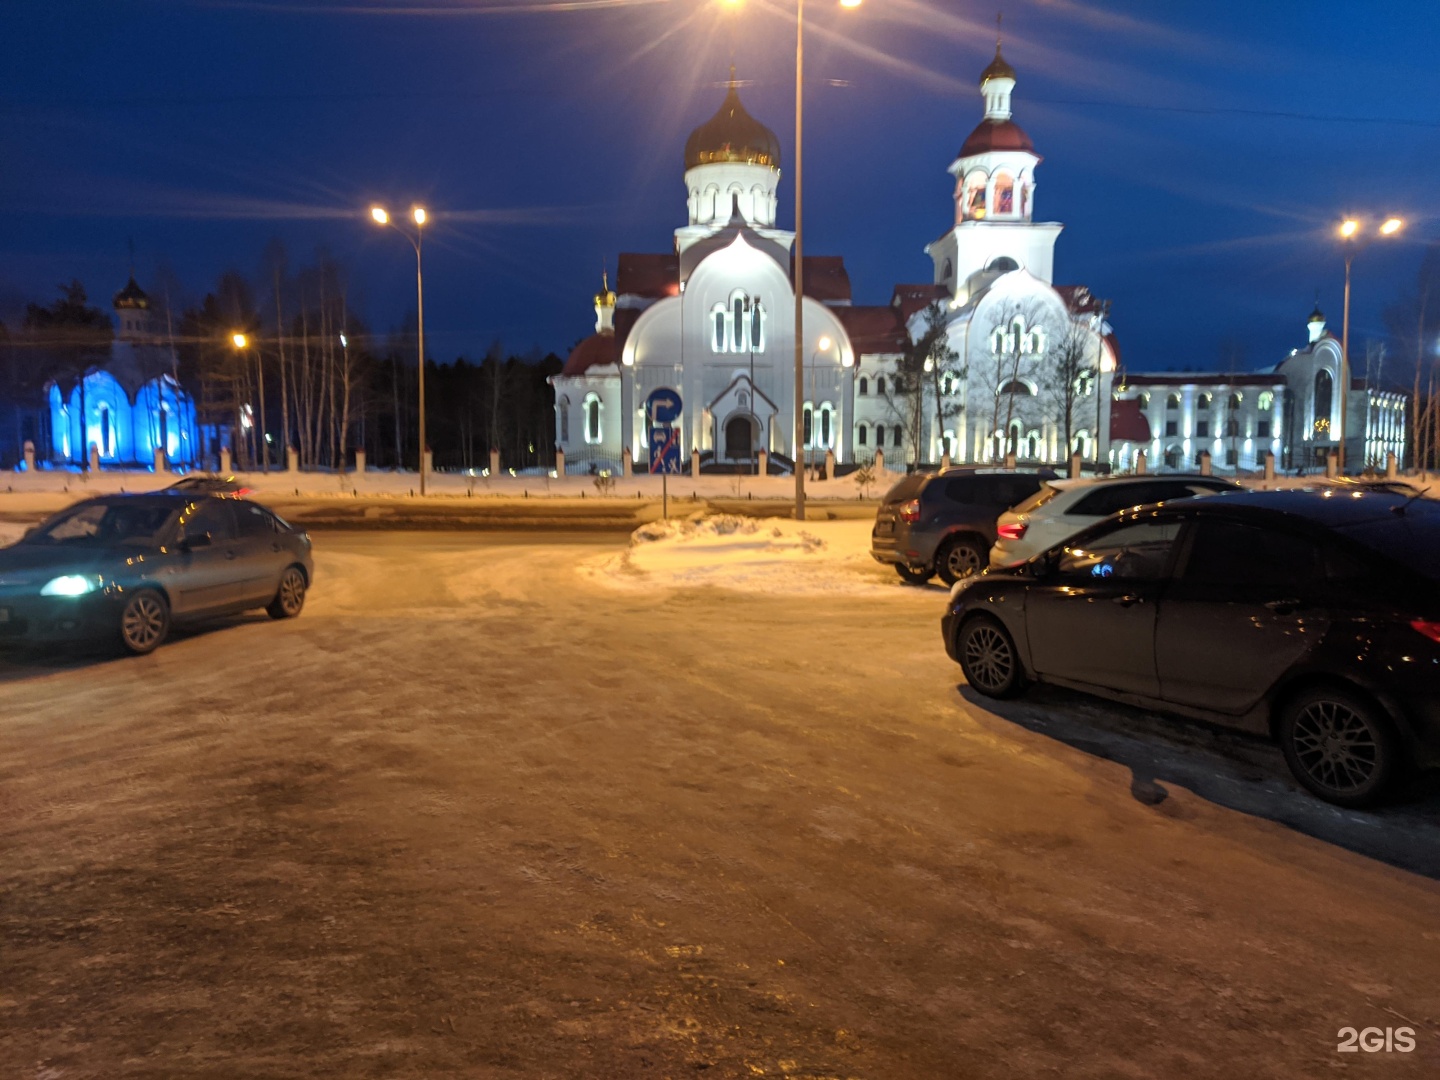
x: 476, y: 813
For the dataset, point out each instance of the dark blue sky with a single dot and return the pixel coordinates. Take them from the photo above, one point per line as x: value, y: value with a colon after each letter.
x: 1198, y: 163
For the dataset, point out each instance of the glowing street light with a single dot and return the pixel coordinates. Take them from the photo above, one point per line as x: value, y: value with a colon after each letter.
x: 1352, y: 234
x: 241, y: 341
x: 382, y: 217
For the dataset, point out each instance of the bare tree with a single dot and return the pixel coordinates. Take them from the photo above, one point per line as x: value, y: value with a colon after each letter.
x: 923, y: 369
x: 1009, y: 348
x: 1070, y: 375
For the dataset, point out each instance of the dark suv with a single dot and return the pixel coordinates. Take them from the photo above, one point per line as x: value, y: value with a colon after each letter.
x: 944, y: 523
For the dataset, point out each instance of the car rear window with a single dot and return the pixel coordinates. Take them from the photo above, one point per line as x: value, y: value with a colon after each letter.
x: 1411, y: 540
x: 906, y: 489
x: 1039, y: 499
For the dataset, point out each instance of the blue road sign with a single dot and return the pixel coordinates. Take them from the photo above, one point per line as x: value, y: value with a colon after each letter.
x: 662, y: 406
x: 664, y: 449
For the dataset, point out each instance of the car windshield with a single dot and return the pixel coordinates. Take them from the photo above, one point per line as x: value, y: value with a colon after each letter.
x: 104, y: 525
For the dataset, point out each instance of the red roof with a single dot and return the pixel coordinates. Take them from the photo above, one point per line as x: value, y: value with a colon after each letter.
x: 1127, y: 422
x: 595, y: 351
x: 877, y: 329
x: 996, y: 135
x: 1114, y: 343
x: 826, y: 278
x: 648, y: 275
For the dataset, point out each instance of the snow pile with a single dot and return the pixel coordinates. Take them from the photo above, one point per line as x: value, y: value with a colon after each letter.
x: 11, y: 532
x: 770, y: 555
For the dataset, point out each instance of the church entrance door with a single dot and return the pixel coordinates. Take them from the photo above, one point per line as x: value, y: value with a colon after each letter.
x: 740, y: 438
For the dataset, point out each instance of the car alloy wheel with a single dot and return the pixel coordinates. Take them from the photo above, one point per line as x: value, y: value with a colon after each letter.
x: 987, y: 656
x: 290, y: 597
x: 144, y: 621
x: 959, y: 559
x: 1339, y: 748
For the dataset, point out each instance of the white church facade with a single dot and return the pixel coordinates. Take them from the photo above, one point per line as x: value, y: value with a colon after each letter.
x: 1026, y: 369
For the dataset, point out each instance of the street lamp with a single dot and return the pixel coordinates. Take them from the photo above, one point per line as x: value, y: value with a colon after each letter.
x: 241, y: 343
x: 799, y: 274
x: 1352, y: 235
x: 382, y: 217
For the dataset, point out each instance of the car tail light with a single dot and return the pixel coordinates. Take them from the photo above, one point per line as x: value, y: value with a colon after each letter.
x: 1012, y: 530
x: 1429, y: 629
x: 910, y: 512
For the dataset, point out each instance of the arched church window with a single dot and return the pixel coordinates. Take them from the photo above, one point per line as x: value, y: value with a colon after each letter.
x: 1234, y: 402
x: 592, y: 418
x: 880, y: 435
x: 972, y: 202
x: 1324, y: 393
x: 564, y: 404
x: 862, y: 435
x: 896, y: 436
x: 1004, y: 193
x: 864, y: 388
x: 757, y: 327
x: 1172, y: 403
x: 737, y: 321
x: 1265, y: 401
x: 948, y: 271
x: 1002, y: 265
x: 827, y: 412
x: 948, y: 382
x: 1018, y: 387
x: 1203, y: 403
x: 1032, y: 445
x: 880, y: 385
x: 107, y: 447
x: 809, y: 433
x: 717, y: 341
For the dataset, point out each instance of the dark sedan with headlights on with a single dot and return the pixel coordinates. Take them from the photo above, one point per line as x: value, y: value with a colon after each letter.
x: 1311, y: 617
x: 128, y: 567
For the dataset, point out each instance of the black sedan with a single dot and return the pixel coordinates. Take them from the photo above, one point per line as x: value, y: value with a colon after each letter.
x: 1312, y: 617
x: 128, y: 566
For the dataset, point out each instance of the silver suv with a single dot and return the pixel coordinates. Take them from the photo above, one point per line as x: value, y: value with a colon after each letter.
x: 944, y: 523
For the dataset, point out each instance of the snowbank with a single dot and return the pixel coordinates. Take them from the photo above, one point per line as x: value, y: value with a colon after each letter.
x: 771, y: 555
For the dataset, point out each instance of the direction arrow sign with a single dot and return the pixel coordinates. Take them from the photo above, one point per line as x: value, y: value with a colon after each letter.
x: 663, y: 406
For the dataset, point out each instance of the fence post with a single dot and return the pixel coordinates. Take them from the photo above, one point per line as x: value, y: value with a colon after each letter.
x: 1140, y: 463
x: 627, y: 463
x: 1074, y: 466
x: 360, y: 461
x: 1269, y: 465
x: 694, y: 463
x: 1332, y: 465
x: 1392, y: 466
x: 494, y: 462
x: 1206, y: 466
x: 829, y: 464
x: 879, y: 461
x: 292, y: 460
x: 160, y: 465
x: 29, y: 456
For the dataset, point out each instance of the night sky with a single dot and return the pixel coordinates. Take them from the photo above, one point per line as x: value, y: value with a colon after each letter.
x: 1198, y: 163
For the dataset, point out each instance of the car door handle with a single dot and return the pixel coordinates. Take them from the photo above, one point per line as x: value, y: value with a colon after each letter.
x: 1127, y: 600
x: 1283, y: 607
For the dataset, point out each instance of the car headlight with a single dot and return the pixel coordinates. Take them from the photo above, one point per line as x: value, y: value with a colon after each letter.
x: 71, y: 585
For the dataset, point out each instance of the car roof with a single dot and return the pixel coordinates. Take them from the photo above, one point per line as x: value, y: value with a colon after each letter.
x: 164, y: 497
x: 1330, y: 506
x: 1069, y: 483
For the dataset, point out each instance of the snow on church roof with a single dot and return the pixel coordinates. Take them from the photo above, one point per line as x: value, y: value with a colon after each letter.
x: 597, y: 350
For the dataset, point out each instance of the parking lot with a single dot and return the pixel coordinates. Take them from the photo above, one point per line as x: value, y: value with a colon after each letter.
x: 476, y: 813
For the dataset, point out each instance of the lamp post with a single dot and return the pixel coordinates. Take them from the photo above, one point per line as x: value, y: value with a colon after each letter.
x: 798, y: 277
x: 382, y: 217
x: 241, y: 343
x: 1353, y: 235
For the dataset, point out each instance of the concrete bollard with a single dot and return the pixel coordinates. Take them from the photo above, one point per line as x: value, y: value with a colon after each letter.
x: 292, y: 459
x: 360, y: 461
x: 225, y: 461
x: 829, y: 464
x: 94, y: 457
x: 694, y: 463
x: 627, y: 463
x: 1332, y: 465
x: 560, y: 463
x: 1269, y: 465
x: 430, y: 461
x: 764, y: 462
x: 494, y: 462
x: 879, y: 461
x: 1392, y: 466
x: 1074, y: 466
x: 1010, y: 460
x: 29, y: 456
x: 160, y: 465
x: 1207, y: 467
x: 945, y: 461
x: 1140, y: 463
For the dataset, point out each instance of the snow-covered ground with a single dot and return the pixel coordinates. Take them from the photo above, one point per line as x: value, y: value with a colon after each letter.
x: 472, y: 814
x: 766, y: 555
